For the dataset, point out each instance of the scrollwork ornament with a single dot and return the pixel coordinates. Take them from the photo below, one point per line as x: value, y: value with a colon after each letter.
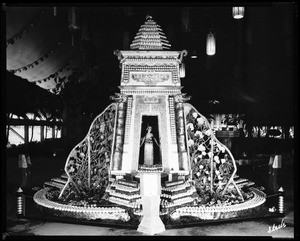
x: 183, y: 53
x: 181, y: 98
x: 119, y: 97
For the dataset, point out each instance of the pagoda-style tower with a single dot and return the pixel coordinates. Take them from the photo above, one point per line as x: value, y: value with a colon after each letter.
x: 149, y: 83
x: 183, y: 146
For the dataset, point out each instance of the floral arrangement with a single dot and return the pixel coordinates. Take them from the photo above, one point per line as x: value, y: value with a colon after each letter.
x: 89, y: 199
x: 81, y: 209
x: 204, y: 148
x: 88, y: 163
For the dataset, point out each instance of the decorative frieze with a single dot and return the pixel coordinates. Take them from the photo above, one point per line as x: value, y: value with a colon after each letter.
x: 141, y: 90
x: 150, y: 99
x: 164, y: 62
x: 150, y: 54
x: 150, y: 75
x: 150, y: 78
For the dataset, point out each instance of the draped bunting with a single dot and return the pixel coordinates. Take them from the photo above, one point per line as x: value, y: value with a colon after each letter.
x: 25, y: 29
x: 61, y: 82
x: 41, y: 59
x: 65, y: 66
x: 73, y: 19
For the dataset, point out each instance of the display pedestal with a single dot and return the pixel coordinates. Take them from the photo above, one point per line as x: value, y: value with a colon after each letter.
x: 150, y: 192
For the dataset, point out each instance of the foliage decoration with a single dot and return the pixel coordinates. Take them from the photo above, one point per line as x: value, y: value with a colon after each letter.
x: 88, y: 163
x: 212, y: 163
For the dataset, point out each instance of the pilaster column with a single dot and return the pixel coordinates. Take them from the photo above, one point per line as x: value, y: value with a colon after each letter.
x: 181, y: 139
x: 119, y: 137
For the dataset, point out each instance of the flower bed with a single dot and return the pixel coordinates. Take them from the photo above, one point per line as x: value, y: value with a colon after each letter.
x: 208, y: 212
x: 83, y: 210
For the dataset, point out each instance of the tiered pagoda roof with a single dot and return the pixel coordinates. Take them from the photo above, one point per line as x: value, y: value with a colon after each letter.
x: 150, y: 37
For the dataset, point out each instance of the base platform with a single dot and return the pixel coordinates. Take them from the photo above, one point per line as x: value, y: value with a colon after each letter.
x: 123, y: 217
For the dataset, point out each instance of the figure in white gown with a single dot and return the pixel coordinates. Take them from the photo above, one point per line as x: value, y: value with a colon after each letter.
x: 148, y: 147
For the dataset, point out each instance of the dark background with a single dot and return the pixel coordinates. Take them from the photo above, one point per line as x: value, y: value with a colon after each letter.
x: 253, y: 71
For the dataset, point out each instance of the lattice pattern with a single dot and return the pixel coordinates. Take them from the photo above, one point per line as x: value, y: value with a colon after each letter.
x: 212, y: 163
x: 88, y: 163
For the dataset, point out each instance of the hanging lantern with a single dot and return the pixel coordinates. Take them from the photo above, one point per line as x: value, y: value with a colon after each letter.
x: 186, y: 20
x: 20, y: 202
x: 128, y: 11
x: 238, y: 12
x: 73, y: 19
x: 182, y: 70
x: 281, y: 200
x: 194, y: 55
x: 72, y: 39
x: 73, y: 23
x: 210, y: 44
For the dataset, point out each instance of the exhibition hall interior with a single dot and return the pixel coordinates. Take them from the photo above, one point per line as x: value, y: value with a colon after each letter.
x: 158, y: 119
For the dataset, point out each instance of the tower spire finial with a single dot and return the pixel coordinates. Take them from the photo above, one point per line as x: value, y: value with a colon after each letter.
x: 150, y: 37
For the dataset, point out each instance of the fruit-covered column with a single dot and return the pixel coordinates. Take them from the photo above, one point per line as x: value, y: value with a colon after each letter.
x: 119, y: 132
x: 180, y: 131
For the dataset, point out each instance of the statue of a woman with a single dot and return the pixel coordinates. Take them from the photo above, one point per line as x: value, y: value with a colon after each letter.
x: 148, y: 148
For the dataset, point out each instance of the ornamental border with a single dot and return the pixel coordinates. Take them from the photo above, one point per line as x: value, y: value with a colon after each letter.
x: 258, y: 199
x: 91, y: 212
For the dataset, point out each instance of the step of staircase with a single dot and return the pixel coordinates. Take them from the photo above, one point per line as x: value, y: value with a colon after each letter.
x: 128, y: 183
x: 236, y: 176
x: 54, y: 184
x: 64, y: 176
x: 242, y: 182
x: 59, y: 180
x: 174, y: 183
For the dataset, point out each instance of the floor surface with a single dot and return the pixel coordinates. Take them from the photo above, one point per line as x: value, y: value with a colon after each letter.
x: 45, y: 168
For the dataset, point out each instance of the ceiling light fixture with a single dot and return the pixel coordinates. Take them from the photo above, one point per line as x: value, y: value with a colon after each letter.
x: 210, y: 44
x: 182, y: 70
x: 238, y: 12
x: 194, y: 55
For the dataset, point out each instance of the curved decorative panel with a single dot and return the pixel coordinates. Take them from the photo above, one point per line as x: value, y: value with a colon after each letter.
x: 213, y: 166
x: 88, y: 163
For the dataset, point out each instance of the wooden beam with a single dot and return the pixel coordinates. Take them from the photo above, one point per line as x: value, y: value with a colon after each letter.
x: 42, y: 133
x: 21, y: 122
x: 53, y: 131
x: 26, y: 133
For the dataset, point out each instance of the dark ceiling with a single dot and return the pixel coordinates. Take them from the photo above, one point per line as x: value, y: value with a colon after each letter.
x: 252, y: 72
